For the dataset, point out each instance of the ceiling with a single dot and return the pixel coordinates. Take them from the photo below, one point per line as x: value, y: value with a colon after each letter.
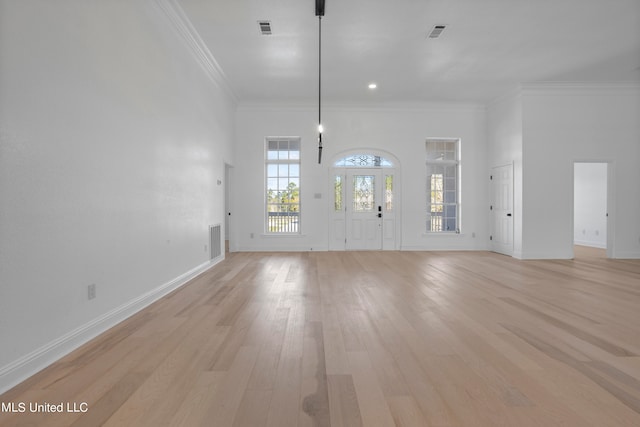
x: 487, y: 48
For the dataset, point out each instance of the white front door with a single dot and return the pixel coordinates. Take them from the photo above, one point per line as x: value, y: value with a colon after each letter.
x: 364, y: 210
x: 502, y: 210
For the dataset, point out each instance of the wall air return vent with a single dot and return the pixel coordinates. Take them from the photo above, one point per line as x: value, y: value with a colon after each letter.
x: 265, y: 28
x: 215, y: 241
x: 436, y: 31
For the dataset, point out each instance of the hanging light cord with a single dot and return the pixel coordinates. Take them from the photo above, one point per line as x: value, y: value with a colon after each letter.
x: 319, y: 88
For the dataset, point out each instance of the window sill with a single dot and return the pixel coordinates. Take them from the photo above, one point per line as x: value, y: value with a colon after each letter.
x: 294, y: 235
x: 442, y: 234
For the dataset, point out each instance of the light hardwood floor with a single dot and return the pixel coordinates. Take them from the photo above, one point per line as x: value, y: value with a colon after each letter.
x: 366, y: 338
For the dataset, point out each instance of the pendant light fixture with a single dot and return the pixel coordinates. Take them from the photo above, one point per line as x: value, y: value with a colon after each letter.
x: 320, y: 14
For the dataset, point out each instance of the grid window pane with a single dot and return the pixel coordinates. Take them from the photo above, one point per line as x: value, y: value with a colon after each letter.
x: 283, y: 183
x: 442, y: 185
x: 282, y: 169
x: 272, y: 184
x: 294, y: 150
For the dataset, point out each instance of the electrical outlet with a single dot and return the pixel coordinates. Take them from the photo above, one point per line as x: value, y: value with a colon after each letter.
x: 91, y: 291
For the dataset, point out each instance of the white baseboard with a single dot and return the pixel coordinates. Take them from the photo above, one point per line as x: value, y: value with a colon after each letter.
x: 26, y: 366
x: 282, y: 249
x: 590, y: 244
x: 626, y: 255
x: 557, y: 254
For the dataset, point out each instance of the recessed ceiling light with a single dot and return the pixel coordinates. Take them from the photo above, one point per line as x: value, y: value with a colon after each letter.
x: 372, y: 85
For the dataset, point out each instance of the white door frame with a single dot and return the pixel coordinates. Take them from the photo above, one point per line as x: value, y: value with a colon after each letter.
x: 610, y: 251
x: 229, y: 234
x: 391, y: 221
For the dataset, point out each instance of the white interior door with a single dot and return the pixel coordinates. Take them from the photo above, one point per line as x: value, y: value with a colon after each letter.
x: 502, y: 210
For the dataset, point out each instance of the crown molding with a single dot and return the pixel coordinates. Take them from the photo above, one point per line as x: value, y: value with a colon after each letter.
x: 514, y: 93
x: 183, y: 27
x: 338, y: 107
x: 568, y: 88
x: 581, y: 88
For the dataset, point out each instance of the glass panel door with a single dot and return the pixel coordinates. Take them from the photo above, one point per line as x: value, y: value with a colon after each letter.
x: 364, y: 209
x: 364, y: 193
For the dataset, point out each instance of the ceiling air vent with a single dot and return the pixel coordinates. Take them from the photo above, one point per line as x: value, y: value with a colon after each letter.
x: 436, y: 31
x: 265, y: 28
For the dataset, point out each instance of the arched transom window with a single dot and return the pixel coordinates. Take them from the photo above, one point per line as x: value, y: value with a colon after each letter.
x: 363, y: 161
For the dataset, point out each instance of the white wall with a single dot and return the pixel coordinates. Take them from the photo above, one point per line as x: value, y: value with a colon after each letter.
x: 590, y: 204
x: 504, y: 141
x: 112, y: 139
x: 400, y: 131
x: 562, y: 125
x: 543, y: 129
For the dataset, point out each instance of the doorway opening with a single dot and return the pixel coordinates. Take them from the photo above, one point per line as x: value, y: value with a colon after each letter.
x: 365, y: 203
x: 591, y: 210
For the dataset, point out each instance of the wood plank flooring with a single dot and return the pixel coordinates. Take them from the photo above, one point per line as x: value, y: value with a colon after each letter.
x: 365, y: 339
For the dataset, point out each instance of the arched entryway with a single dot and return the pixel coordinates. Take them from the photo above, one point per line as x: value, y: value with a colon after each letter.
x: 365, y: 203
